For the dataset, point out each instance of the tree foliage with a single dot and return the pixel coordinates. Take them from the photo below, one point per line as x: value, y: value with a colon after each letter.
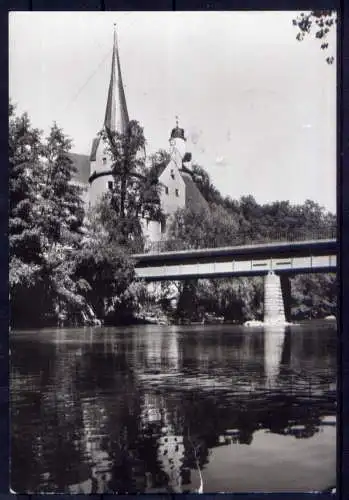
x: 238, y: 299
x: 24, y: 151
x: 63, y: 265
x: 44, y: 224
x: 319, y: 23
x: 61, y: 204
x: 102, y: 265
x: 135, y: 192
x: 229, y: 222
x: 314, y: 296
x: 205, y: 185
x: 203, y: 228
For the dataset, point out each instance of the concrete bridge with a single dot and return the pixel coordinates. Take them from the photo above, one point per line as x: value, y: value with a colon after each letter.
x: 248, y: 260
x: 275, y: 261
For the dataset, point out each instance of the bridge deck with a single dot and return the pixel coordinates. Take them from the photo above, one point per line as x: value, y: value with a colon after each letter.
x: 317, y: 247
x: 292, y: 257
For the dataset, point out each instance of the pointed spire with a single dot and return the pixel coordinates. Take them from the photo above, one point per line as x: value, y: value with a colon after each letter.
x: 116, y: 114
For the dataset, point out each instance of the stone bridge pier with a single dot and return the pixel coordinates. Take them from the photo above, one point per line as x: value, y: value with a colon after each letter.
x: 277, y: 298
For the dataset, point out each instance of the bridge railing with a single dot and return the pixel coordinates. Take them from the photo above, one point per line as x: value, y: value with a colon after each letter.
x: 241, y: 239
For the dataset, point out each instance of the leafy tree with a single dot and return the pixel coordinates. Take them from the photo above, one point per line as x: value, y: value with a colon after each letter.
x: 241, y: 298
x: 136, y: 191
x: 281, y: 220
x: 60, y: 220
x: 102, y: 268
x: 210, y: 228
x: 66, y: 264
x: 244, y: 221
x: 237, y: 299
x: 203, y: 228
x: 158, y: 161
x: 314, y: 296
x: 319, y: 23
x: 110, y: 221
x: 187, y: 306
x: 204, y: 183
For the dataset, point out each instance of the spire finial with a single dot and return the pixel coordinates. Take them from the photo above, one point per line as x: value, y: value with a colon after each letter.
x: 177, y: 121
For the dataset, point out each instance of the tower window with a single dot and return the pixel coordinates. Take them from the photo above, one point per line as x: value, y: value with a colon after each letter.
x: 110, y: 185
x: 166, y: 189
x: 177, y: 192
x: 104, y: 160
x: 172, y: 174
x: 163, y: 227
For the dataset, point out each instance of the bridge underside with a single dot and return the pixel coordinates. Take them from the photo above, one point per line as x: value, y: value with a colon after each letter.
x: 238, y: 268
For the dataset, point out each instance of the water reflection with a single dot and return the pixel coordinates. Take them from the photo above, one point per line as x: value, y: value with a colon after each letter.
x: 170, y: 409
x: 274, y: 340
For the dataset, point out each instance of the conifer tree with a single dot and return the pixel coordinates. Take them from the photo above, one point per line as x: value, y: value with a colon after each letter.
x: 60, y: 223
x: 61, y: 198
x: 26, y: 258
x: 24, y: 151
x: 45, y: 219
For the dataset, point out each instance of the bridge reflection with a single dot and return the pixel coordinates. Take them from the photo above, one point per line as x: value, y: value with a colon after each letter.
x: 143, y: 410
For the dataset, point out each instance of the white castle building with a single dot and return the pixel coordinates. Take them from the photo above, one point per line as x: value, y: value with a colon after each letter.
x: 178, y: 189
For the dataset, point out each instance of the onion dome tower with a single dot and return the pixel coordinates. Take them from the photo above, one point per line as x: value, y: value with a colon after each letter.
x: 178, y: 143
x: 178, y: 147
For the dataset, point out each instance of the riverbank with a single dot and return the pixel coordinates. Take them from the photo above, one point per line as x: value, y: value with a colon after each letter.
x: 215, y: 320
x: 158, y: 317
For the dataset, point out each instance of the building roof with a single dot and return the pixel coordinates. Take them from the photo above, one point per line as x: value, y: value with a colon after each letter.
x: 193, y: 197
x: 82, y: 165
x: 178, y: 133
x: 94, y: 148
x: 160, y: 168
x: 116, y: 114
x: 194, y: 200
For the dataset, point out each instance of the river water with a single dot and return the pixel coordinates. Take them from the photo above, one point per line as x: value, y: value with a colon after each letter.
x: 162, y: 409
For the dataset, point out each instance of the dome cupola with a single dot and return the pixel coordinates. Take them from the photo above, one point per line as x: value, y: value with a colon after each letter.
x: 177, y: 141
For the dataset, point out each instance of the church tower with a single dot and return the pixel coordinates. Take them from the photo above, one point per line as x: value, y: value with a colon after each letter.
x: 116, y: 120
x: 177, y: 145
x: 178, y: 151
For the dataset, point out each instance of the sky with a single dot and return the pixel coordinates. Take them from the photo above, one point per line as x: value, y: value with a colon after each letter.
x: 258, y: 107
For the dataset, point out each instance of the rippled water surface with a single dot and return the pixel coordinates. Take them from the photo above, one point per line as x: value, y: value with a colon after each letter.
x: 174, y: 409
